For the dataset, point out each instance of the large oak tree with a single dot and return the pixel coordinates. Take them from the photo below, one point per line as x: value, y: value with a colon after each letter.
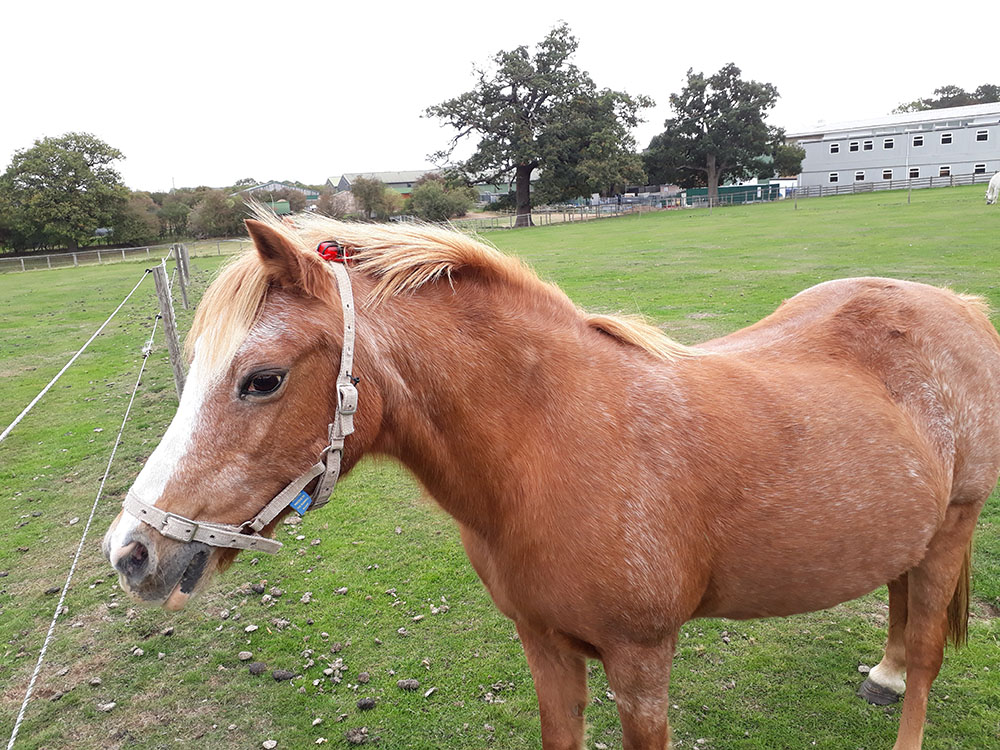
x: 61, y: 190
x: 525, y: 109
x: 719, y: 130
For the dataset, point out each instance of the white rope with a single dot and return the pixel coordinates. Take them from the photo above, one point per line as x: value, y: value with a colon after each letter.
x: 52, y: 382
x: 41, y: 655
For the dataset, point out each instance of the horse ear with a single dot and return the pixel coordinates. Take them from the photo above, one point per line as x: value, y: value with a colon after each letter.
x: 285, y: 264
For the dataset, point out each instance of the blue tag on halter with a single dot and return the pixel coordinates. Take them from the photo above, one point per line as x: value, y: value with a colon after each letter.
x: 301, y: 502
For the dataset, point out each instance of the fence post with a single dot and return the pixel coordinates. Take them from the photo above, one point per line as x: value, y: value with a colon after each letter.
x: 180, y: 274
x: 169, y: 324
x: 48, y: 261
x: 22, y: 264
x: 98, y: 257
x: 75, y: 262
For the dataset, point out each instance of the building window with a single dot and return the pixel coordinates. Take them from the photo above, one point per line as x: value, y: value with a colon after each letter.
x: 834, y: 177
x: 888, y: 143
x: 914, y: 172
x: 979, y: 169
x: 918, y: 140
x: 868, y: 145
x: 834, y: 148
x: 853, y: 146
x: 944, y: 171
x: 859, y: 176
x: 945, y: 139
x: 982, y: 135
x: 886, y: 174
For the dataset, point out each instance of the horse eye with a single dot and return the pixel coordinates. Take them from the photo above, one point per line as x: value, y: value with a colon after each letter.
x: 262, y: 383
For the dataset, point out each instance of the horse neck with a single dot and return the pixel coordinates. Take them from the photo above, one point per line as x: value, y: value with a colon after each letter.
x: 467, y: 376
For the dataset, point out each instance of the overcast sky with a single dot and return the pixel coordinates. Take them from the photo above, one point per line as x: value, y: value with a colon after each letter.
x: 206, y: 93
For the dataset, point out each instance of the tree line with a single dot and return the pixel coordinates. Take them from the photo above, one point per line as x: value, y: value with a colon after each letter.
x: 540, y: 123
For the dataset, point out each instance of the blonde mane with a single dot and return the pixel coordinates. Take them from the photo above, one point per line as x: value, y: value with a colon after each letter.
x: 401, y: 258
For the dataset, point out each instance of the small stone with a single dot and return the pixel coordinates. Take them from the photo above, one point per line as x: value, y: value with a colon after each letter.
x: 52, y: 590
x: 409, y: 684
x: 276, y: 592
x: 337, y: 646
x: 74, y: 521
x: 231, y: 727
x: 138, y: 652
x: 430, y: 692
x: 269, y: 744
x: 168, y: 631
x: 105, y: 707
x: 245, y: 655
x: 282, y: 675
x: 314, y: 542
x: 94, y: 681
x: 306, y: 597
x: 366, y: 704
x: 363, y: 678
x: 224, y: 614
x: 317, y: 721
x: 160, y: 655
x: 249, y: 628
x: 418, y: 618
x: 341, y: 591
x: 399, y: 530
x: 257, y: 588
x: 258, y: 667
x: 864, y: 668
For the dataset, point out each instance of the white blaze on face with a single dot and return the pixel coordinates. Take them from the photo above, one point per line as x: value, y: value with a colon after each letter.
x: 162, y: 465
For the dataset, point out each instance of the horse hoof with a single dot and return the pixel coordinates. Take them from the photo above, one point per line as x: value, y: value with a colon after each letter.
x: 876, y: 694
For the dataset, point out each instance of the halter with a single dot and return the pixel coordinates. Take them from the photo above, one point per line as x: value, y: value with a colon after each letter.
x: 327, y: 468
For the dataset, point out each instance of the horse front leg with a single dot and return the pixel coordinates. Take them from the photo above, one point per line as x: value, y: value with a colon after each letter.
x: 560, y: 676
x: 887, y: 680
x: 640, y: 677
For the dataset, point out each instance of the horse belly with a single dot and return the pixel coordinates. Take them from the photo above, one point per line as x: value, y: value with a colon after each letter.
x: 800, y: 558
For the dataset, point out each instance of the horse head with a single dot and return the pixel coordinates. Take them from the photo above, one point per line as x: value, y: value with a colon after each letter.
x: 255, y: 413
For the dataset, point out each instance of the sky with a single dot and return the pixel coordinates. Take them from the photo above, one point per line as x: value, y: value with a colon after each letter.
x: 209, y: 92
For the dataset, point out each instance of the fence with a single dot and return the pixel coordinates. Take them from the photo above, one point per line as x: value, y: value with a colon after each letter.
x: 103, y: 256
x: 818, y: 191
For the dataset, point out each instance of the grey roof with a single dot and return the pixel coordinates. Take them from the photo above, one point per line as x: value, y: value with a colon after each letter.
x: 973, y: 111
x: 388, y: 177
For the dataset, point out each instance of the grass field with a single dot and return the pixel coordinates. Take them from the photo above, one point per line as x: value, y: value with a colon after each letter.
x: 781, y: 683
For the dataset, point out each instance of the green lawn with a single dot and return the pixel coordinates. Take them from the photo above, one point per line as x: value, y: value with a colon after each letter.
x: 761, y: 684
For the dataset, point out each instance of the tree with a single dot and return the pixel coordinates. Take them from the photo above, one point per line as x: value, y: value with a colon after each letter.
x: 218, y: 215
x: 137, y: 221
x: 62, y: 189
x: 173, y: 215
x: 518, y: 109
x: 589, y: 147
x: 375, y: 199
x: 335, y: 205
x: 432, y: 200
x: 952, y: 96
x: 718, y: 131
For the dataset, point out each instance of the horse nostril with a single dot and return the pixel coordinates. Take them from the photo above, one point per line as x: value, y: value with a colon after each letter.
x: 133, y: 560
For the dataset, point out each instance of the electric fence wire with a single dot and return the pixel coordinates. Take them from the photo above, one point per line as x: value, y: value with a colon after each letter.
x: 52, y: 382
x: 146, y: 350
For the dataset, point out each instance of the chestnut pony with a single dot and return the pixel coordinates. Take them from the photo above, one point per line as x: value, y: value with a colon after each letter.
x: 609, y: 484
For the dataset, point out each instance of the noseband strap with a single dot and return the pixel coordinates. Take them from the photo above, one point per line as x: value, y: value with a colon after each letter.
x: 247, y: 535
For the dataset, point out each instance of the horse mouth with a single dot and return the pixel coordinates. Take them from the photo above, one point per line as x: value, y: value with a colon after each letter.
x: 188, y: 582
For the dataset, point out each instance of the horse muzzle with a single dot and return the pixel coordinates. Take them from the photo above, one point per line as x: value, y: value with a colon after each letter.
x: 159, y: 571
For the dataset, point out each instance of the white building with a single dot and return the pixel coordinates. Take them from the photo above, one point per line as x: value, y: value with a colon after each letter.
x: 953, y: 142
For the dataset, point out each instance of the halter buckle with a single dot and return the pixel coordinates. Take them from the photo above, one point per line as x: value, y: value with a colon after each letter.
x: 347, y: 398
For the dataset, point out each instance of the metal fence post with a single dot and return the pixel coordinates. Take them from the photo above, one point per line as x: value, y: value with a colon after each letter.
x: 169, y: 324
